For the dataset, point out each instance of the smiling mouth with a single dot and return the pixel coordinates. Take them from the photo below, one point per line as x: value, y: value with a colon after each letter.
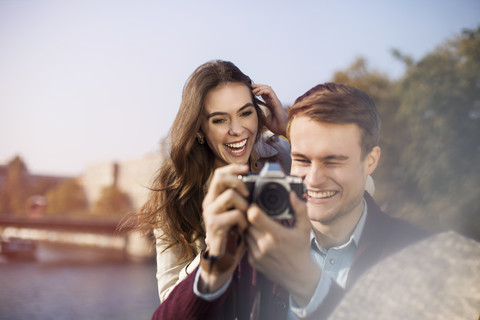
x: 321, y: 194
x: 237, y: 147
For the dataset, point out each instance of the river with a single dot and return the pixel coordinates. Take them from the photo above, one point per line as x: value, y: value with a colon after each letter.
x: 67, y: 282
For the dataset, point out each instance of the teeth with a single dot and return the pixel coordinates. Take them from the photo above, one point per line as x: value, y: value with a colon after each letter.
x: 321, y: 194
x: 238, y: 151
x: 240, y: 144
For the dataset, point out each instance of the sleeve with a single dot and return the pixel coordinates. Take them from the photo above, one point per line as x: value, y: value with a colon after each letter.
x: 321, y: 292
x: 209, y: 296
x: 183, y: 303
x: 329, y: 302
x: 274, y: 148
x: 282, y: 146
x: 169, y: 271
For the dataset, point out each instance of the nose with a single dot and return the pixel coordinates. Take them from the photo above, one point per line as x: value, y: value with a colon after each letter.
x: 236, y: 128
x: 316, y: 176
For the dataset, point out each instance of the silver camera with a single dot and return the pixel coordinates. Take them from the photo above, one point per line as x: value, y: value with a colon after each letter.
x: 270, y: 190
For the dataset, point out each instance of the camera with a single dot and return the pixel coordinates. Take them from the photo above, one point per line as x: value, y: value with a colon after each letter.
x: 270, y: 190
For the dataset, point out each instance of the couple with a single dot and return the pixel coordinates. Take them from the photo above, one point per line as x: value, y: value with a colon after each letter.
x: 263, y: 269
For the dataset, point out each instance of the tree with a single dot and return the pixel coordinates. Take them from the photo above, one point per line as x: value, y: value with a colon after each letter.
x: 440, y: 106
x: 66, y: 198
x: 112, y: 201
x: 429, y: 172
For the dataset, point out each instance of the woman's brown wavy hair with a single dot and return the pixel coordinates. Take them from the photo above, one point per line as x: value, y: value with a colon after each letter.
x: 174, y: 204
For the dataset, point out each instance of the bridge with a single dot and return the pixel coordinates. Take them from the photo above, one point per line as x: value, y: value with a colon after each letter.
x: 91, y: 232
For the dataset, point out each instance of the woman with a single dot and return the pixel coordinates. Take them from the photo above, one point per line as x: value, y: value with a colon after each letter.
x: 219, y: 122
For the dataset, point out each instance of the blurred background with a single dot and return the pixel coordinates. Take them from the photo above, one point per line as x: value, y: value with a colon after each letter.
x: 89, y: 89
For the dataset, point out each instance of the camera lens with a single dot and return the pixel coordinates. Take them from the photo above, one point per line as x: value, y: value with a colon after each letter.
x: 273, y: 198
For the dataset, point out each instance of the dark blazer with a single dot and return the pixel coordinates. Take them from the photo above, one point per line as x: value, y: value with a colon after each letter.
x: 382, y: 236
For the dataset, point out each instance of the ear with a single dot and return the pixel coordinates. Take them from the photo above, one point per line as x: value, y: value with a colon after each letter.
x: 371, y: 161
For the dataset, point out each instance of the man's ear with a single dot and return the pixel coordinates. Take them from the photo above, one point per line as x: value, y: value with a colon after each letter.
x: 372, y: 159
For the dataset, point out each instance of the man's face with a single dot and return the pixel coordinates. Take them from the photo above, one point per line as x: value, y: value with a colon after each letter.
x: 328, y: 158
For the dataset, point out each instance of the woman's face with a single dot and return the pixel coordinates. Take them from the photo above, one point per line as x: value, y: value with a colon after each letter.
x: 229, y: 123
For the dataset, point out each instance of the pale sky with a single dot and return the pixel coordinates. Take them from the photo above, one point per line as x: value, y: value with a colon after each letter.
x: 86, y: 81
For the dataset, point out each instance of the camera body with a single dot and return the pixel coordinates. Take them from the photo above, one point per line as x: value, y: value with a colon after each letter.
x: 270, y: 190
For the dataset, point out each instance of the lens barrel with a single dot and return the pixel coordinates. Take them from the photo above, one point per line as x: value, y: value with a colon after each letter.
x: 273, y: 198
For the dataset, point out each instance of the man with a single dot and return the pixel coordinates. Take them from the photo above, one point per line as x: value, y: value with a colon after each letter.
x: 301, y: 271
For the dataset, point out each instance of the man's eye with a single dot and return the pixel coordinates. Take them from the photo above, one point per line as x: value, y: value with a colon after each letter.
x: 301, y: 161
x: 331, y: 164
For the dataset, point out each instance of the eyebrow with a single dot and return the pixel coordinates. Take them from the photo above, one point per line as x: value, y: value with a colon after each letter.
x: 213, y: 114
x: 327, y: 158
x: 335, y: 157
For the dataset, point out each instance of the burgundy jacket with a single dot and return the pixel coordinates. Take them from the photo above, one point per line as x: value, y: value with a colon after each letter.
x: 382, y: 236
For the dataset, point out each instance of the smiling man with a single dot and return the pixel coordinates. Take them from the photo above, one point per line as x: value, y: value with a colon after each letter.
x: 334, y: 167
x: 334, y: 132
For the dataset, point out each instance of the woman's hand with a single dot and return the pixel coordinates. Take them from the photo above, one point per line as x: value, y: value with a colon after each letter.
x: 277, y: 119
x: 224, y: 210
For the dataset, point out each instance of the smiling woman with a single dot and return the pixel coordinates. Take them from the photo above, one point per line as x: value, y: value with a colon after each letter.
x: 229, y: 127
x: 230, y: 123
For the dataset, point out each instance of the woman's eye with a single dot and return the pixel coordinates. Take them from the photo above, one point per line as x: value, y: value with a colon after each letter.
x: 218, y: 121
x: 246, y: 113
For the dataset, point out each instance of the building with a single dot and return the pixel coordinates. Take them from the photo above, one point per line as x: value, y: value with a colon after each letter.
x: 133, y: 177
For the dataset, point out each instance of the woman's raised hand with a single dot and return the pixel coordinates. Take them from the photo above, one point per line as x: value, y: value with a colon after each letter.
x: 277, y: 119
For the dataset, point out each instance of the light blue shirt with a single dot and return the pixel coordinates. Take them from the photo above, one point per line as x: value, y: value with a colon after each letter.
x: 335, y: 263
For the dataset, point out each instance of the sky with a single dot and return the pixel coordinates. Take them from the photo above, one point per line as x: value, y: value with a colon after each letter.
x: 85, y: 82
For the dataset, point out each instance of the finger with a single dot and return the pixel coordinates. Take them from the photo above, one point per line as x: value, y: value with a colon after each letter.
x: 228, y: 200
x: 301, y: 214
x: 258, y: 86
x: 260, y: 243
x: 224, y: 178
x: 262, y: 89
x: 227, y: 177
x: 219, y: 226
x: 252, y: 244
x: 260, y: 221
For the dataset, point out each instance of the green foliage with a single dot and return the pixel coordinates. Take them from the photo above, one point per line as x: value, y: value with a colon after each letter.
x: 112, y: 202
x: 441, y: 109
x: 429, y: 172
x: 66, y: 198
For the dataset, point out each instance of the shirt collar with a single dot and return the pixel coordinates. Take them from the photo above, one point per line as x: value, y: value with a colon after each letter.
x: 355, y: 236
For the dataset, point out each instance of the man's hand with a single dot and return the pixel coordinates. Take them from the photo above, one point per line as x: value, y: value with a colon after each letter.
x: 282, y: 254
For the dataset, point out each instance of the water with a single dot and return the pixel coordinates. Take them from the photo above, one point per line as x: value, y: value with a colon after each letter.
x: 77, y: 283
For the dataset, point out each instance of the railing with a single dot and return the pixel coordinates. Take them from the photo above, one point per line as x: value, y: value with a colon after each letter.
x: 96, y: 225
x: 90, y: 232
